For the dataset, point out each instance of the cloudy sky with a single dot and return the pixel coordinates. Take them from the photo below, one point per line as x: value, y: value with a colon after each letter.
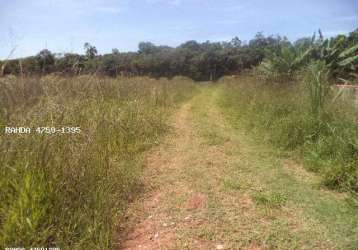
x: 65, y: 25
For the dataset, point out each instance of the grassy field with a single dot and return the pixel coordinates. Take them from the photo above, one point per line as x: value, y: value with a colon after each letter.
x: 171, y: 164
x: 212, y: 184
x: 70, y: 190
x: 285, y: 116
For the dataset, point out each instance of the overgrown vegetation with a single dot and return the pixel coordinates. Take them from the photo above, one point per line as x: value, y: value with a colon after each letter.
x: 199, y: 61
x: 339, y: 54
x: 279, y: 59
x: 70, y: 190
x: 291, y: 98
x: 301, y: 118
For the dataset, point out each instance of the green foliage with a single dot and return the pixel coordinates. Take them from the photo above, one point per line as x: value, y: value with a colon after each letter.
x: 283, y: 64
x: 279, y: 59
x: 91, y: 51
x: 199, y: 61
x: 109, y: 65
x: 70, y: 64
x: 45, y: 60
x: 343, y: 176
x: 340, y: 57
x: 302, y: 119
x: 70, y: 190
x: 2, y: 65
x: 28, y: 209
x: 318, y: 85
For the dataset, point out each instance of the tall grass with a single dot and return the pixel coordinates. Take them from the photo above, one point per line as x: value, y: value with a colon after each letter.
x: 301, y: 118
x: 70, y: 190
x: 317, y: 83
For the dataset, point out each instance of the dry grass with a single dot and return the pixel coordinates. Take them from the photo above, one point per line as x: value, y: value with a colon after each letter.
x: 68, y: 190
x: 207, y: 185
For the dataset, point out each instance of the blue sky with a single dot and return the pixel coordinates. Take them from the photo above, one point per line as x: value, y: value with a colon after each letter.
x: 65, y: 25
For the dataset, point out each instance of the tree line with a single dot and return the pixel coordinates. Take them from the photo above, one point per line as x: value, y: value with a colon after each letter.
x: 199, y: 61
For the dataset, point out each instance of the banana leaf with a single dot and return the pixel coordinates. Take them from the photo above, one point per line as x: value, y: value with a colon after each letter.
x: 349, y: 51
x: 348, y: 60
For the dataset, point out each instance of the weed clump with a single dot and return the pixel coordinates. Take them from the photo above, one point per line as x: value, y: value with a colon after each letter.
x: 270, y: 199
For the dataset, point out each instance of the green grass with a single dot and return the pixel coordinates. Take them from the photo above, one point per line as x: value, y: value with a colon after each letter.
x: 252, y: 198
x: 282, y: 115
x: 71, y: 190
x: 232, y: 184
x: 270, y: 199
x: 332, y: 214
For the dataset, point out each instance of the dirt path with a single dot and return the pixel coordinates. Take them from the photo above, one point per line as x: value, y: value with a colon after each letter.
x: 207, y: 186
x: 170, y: 205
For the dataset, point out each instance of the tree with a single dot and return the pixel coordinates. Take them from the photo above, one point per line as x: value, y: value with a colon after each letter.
x: 115, y: 51
x: 109, y: 65
x: 204, y: 60
x: 70, y: 63
x: 236, y: 43
x: 45, y: 60
x: 191, y: 45
x: 91, y: 51
x: 30, y: 65
x: 146, y: 48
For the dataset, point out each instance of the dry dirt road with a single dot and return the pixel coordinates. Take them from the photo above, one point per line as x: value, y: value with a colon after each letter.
x: 209, y: 185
